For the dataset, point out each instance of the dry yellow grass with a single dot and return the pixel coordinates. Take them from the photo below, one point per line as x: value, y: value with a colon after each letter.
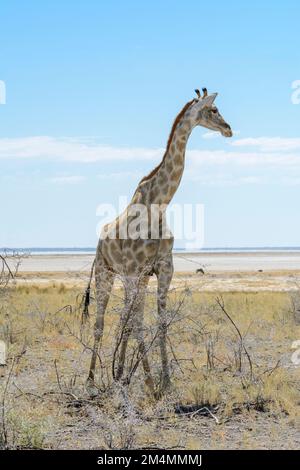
x: 246, y: 401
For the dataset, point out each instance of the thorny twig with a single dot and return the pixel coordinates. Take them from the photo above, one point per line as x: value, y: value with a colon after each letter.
x: 220, y: 302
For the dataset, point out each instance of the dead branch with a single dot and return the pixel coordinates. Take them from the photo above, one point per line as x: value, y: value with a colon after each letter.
x: 4, y: 432
x: 220, y: 302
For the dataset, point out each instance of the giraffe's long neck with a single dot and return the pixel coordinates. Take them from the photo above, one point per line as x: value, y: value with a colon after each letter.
x: 168, y: 176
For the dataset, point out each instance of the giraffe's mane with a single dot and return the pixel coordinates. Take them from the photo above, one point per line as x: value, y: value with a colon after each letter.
x: 176, y: 121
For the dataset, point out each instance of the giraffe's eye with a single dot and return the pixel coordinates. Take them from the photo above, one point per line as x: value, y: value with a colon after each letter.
x: 214, y: 111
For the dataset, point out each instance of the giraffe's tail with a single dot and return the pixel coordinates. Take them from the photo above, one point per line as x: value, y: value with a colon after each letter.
x: 87, y: 297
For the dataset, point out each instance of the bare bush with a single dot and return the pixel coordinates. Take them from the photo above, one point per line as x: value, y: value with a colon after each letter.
x: 295, y: 304
x: 9, y: 267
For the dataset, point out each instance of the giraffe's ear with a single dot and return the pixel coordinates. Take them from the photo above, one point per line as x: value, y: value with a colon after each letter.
x: 208, y: 100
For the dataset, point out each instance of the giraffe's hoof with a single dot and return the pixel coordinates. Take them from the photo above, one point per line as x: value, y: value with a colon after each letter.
x: 91, y: 389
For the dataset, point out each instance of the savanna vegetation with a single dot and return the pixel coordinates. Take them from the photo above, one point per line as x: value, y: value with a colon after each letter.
x: 234, y: 384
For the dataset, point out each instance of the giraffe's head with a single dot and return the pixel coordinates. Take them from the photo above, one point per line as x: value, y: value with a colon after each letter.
x: 204, y: 113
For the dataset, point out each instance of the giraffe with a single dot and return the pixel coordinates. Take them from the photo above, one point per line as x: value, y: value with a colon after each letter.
x: 137, y: 259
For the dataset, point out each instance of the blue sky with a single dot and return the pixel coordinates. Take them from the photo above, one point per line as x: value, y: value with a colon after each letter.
x: 92, y: 90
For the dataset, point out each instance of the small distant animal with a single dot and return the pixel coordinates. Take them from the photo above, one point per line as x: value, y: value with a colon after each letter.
x: 200, y: 270
x: 260, y: 271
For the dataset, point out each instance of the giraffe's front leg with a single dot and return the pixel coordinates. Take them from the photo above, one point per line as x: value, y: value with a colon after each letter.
x: 164, y: 270
x: 139, y: 334
x: 126, y: 327
x: 104, y: 282
x: 135, y: 300
x: 126, y: 330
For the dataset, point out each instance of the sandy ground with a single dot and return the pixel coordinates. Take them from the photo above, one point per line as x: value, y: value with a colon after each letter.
x: 222, y: 271
x: 187, y: 262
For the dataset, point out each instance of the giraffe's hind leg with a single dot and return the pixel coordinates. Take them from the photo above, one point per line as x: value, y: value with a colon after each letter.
x: 104, y: 282
x: 164, y: 270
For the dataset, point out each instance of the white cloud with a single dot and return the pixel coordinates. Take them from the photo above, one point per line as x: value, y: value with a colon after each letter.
x: 224, y: 157
x: 67, y: 149
x: 267, y: 159
x: 215, y: 134
x: 291, y: 181
x: 269, y: 144
x: 74, y: 179
x: 210, y: 135
x: 274, y: 151
x: 219, y: 179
